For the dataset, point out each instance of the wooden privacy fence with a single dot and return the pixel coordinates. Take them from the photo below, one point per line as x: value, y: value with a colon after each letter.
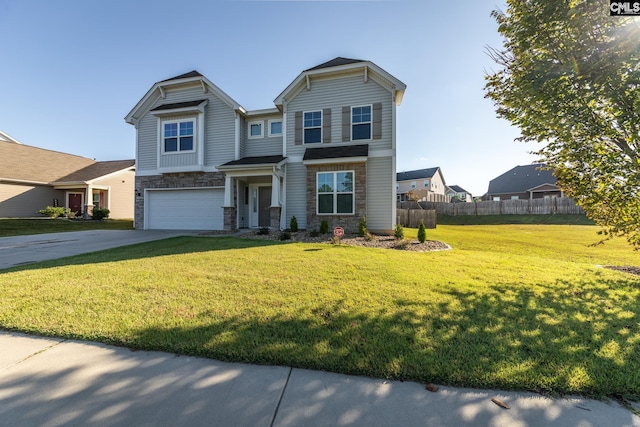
x: 553, y: 205
x: 411, y: 217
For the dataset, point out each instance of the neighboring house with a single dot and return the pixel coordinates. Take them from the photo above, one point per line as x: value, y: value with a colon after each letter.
x: 32, y: 178
x: 524, y: 182
x: 421, y: 185
x: 326, y: 151
x: 459, y: 194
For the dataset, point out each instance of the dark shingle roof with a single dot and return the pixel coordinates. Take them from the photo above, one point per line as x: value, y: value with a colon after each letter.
x: 178, y: 105
x: 335, y: 62
x: 193, y: 73
x: 97, y: 170
x: 262, y: 160
x: 458, y: 189
x: 416, y: 174
x: 361, y: 150
x: 521, y: 179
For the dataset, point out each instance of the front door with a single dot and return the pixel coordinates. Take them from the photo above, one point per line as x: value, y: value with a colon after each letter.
x: 264, y: 203
x: 75, y: 202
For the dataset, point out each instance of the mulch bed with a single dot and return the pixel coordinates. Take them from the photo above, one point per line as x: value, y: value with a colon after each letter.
x: 625, y: 269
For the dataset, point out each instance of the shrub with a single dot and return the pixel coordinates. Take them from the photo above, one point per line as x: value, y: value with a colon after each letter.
x: 52, y: 212
x: 362, y: 227
x: 314, y: 233
x: 100, y: 213
x: 399, y: 232
x: 285, y: 235
x: 422, y: 232
x: 324, y: 227
x: 263, y: 231
x: 293, y: 224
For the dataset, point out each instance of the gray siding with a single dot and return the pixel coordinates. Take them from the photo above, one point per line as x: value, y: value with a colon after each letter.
x: 219, y: 132
x: 380, y: 194
x: 296, y: 194
x: 262, y: 146
x: 335, y: 94
x: 27, y: 200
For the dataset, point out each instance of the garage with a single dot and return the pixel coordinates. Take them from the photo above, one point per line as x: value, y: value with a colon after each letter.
x: 191, y: 209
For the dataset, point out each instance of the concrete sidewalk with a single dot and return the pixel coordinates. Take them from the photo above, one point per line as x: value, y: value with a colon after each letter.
x: 54, y: 382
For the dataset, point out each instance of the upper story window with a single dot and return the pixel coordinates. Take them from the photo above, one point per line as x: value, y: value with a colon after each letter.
x: 413, y: 185
x: 361, y: 122
x: 275, y: 127
x: 255, y: 129
x: 177, y: 136
x: 426, y: 183
x: 312, y: 127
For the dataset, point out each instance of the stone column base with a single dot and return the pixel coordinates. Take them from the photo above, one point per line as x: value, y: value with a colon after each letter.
x: 230, y: 218
x: 274, y: 224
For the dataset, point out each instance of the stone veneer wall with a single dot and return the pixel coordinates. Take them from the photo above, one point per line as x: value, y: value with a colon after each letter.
x: 348, y: 222
x: 173, y: 180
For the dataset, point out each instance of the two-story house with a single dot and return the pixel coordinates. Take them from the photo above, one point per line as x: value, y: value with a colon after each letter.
x: 426, y: 185
x: 459, y: 194
x: 326, y: 151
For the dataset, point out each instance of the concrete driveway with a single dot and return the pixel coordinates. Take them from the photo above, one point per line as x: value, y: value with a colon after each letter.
x: 20, y: 250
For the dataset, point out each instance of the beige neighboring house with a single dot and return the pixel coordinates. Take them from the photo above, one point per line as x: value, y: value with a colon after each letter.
x: 424, y: 185
x: 32, y: 178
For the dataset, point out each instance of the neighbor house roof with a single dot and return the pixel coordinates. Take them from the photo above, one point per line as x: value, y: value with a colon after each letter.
x: 416, y: 174
x: 458, y: 189
x: 97, y: 170
x: 26, y: 163
x: 521, y: 179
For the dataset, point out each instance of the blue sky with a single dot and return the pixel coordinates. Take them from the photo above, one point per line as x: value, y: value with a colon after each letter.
x: 72, y: 69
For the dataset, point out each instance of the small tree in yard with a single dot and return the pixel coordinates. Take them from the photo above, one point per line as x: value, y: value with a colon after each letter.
x: 293, y: 224
x: 398, y: 233
x: 422, y: 232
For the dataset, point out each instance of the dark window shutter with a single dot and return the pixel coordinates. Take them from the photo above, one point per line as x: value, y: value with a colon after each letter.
x: 377, y: 121
x: 298, y: 128
x: 346, y: 124
x: 326, y: 125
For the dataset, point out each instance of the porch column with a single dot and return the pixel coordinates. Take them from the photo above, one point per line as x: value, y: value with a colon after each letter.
x: 275, y: 190
x: 88, y: 202
x: 228, y: 187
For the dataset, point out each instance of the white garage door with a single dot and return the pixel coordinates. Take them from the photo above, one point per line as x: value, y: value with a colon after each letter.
x: 199, y: 209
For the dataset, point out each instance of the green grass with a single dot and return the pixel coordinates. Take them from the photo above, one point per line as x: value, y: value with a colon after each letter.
x: 514, y: 219
x: 24, y: 226
x: 522, y: 307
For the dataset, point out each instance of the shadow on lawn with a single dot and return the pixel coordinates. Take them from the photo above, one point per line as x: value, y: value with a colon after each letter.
x: 570, y: 338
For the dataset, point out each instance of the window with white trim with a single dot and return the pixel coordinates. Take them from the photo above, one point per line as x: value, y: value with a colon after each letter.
x: 275, y: 128
x: 335, y: 193
x: 361, y: 122
x: 312, y: 127
x: 178, y: 136
x: 413, y: 185
x: 426, y: 183
x: 255, y: 129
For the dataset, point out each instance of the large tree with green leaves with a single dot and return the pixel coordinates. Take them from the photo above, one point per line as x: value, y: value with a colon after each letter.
x: 569, y: 77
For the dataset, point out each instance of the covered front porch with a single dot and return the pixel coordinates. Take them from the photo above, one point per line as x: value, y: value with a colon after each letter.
x: 253, y: 192
x: 82, y: 198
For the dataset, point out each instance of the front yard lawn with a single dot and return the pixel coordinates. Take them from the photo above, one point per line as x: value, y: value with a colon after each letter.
x: 524, y: 307
x: 24, y: 226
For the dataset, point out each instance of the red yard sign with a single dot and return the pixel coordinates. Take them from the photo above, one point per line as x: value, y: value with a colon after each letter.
x: 338, y: 232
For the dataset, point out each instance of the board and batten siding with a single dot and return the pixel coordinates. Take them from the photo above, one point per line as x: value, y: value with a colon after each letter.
x: 335, y: 93
x: 380, y: 194
x: 296, y: 191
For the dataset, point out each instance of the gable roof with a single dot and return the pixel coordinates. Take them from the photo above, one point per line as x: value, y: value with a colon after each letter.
x: 458, y: 189
x: 97, y: 170
x: 416, y: 174
x: 339, y: 66
x: 521, y: 179
x: 157, y: 91
x: 26, y: 163
x: 335, y: 62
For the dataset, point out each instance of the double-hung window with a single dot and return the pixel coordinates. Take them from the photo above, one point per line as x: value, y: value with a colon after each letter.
x: 178, y: 136
x: 361, y: 122
x: 335, y: 192
x: 312, y: 127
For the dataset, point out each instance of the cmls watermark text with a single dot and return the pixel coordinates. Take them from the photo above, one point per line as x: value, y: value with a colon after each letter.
x: 624, y: 8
